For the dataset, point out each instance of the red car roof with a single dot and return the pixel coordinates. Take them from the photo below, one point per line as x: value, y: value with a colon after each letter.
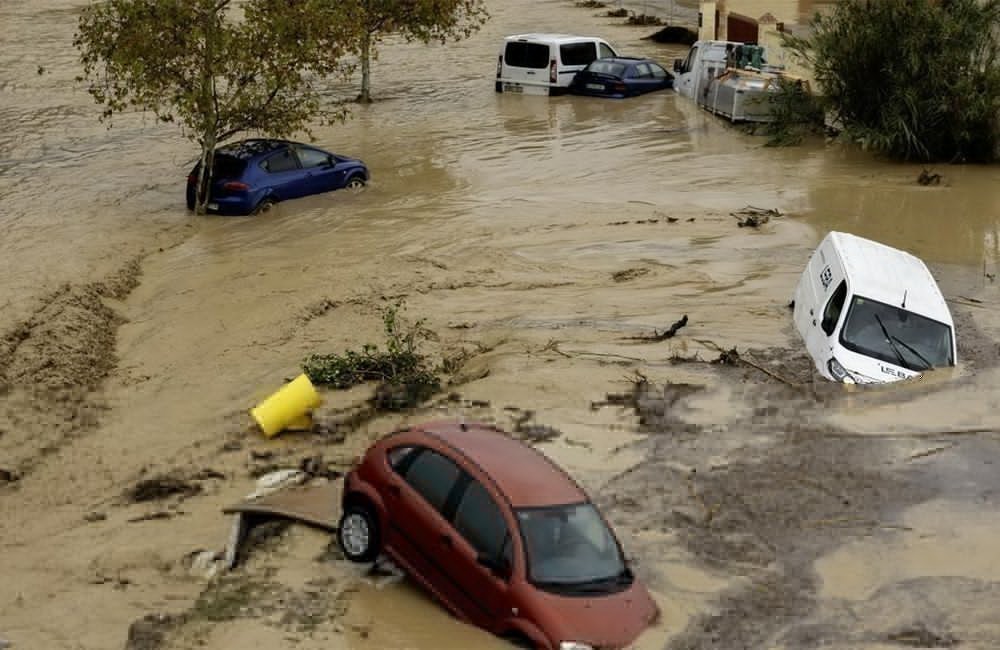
x: 523, y: 474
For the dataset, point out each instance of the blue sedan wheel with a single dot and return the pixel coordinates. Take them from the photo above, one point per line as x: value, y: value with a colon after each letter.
x: 355, y: 183
x: 264, y: 206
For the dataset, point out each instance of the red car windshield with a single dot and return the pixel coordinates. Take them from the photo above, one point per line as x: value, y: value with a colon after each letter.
x: 571, y: 547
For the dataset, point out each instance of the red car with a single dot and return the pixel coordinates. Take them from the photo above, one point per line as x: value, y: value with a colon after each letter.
x: 498, y: 533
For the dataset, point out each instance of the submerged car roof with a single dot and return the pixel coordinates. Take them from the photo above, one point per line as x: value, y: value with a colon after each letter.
x: 549, y: 37
x: 521, y: 473
x: 246, y: 149
x: 887, y: 274
x: 625, y: 59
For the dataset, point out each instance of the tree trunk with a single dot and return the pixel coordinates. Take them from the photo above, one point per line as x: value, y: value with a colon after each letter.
x: 366, y: 64
x: 205, y: 173
x: 208, y: 135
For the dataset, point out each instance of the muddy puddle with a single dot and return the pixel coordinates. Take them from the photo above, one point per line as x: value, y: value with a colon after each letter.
x: 540, y: 239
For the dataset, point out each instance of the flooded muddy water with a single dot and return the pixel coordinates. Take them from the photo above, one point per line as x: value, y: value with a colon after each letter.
x: 536, y: 236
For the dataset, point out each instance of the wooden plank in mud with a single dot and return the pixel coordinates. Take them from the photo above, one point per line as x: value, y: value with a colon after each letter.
x: 315, y: 505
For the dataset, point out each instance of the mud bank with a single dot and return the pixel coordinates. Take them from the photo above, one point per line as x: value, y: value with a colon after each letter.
x: 52, y: 364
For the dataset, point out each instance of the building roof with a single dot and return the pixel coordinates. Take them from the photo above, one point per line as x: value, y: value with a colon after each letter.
x: 887, y: 274
x: 523, y: 474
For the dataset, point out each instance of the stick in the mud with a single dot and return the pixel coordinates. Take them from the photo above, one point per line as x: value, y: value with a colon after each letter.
x: 767, y: 372
x: 656, y: 337
x: 930, y: 452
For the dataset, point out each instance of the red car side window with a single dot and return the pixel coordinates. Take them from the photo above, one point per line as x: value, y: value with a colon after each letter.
x: 479, y: 520
x: 432, y: 475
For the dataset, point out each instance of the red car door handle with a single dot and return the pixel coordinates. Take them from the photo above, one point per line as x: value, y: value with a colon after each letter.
x: 395, y: 489
x: 446, y: 540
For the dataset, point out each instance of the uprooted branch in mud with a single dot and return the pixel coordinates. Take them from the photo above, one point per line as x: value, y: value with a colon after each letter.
x: 668, y: 333
x: 161, y: 487
x: 731, y: 357
x: 639, y: 384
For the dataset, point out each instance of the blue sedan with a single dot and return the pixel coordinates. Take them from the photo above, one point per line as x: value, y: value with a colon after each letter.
x: 252, y: 175
x: 621, y: 77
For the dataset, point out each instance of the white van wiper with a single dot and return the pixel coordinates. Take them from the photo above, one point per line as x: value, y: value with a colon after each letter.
x: 891, y: 341
x: 927, y: 364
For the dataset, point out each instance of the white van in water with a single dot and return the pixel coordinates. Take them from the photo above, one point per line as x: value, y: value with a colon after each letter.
x: 545, y: 64
x: 705, y: 61
x: 870, y: 313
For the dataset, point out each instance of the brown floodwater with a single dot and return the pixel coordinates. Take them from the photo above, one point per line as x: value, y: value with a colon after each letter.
x: 501, y: 219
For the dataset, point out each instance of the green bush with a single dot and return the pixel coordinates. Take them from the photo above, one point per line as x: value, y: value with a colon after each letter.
x: 796, y: 113
x: 404, y: 375
x: 913, y: 79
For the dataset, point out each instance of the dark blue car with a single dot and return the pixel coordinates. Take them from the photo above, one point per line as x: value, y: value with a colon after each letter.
x: 252, y: 175
x: 621, y: 77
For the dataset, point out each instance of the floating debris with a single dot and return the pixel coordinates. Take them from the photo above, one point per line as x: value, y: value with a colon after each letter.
x: 674, y: 35
x: 927, y: 177
x: 656, y: 337
x: 150, y: 631
x: 728, y: 358
x: 161, y: 487
x: 751, y: 217
x: 921, y: 637
x: 628, y: 274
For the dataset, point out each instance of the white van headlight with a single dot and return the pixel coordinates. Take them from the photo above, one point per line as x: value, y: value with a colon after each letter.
x: 839, y: 372
x: 574, y: 645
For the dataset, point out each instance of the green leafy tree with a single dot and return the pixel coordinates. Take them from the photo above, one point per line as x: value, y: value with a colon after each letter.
x: 423, y: 20
x: 215, y: 69
x: 914, y: 79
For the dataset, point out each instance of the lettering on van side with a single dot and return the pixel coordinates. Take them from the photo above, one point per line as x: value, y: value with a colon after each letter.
x: 826, y: 277
x: 892, y: 371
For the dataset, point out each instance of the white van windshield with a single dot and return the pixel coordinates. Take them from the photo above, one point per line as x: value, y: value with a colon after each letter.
x: 897, y: 336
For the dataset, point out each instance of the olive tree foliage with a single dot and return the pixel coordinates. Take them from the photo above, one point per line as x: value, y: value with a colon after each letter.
x: 913, y: 79
x: 423, y: 20
x: 215, y: 67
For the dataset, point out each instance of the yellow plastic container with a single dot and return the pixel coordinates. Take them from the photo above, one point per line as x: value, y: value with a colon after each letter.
x: 287, y: 406
x: 301, y: 423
